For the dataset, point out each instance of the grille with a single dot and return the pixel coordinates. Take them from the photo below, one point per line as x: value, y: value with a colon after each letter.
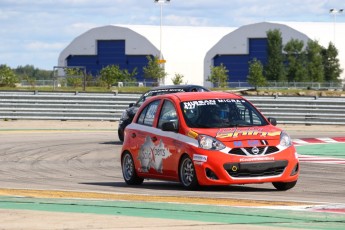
x: 257, y: 169
x: 247, y: 151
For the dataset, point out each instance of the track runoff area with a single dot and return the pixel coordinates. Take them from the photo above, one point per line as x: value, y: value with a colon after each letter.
x: 256, y: 214
x: 321, y: 150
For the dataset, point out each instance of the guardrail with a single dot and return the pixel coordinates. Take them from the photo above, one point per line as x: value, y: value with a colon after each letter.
x: 109, y: 106
x: 63, y: 106
x: 302, y: 110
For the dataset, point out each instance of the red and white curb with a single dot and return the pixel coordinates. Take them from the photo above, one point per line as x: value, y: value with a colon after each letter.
x: 321, y: 160
x: 329, y: 208
x: 322, y: 140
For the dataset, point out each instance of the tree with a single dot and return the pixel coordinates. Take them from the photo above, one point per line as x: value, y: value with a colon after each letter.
x: 177, y: 80
x: 274, y: 69
x: 7, y: 76
x: 74, y: 77
x: 127, y: 76
x: 331, y: 63
x: 112, y: 74
x: 296, y: 61
x: 30, y: 80
x: 256, y: 76
x: 219, y: 74
x: 153, y: 69
x: 315, y: 66
x: 32, y: 72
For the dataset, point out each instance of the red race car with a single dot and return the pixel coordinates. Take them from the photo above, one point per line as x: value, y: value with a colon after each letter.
x: 207, y: 138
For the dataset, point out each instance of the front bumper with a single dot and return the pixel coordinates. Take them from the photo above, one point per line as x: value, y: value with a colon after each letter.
x: 226, y: 169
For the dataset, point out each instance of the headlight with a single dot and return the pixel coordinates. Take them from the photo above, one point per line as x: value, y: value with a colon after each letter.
x: 210, y: 143
x: 285, y: 139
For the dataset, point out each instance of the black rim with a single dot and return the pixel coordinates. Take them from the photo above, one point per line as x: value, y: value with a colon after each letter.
x: 127, y: 167
x: 187, y: 172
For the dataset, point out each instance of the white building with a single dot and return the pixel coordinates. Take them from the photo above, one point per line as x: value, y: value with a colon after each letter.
x: 189, y: 51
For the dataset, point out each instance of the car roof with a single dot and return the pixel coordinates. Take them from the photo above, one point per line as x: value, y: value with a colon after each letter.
x: 202, y: 96
x: 178, y: 87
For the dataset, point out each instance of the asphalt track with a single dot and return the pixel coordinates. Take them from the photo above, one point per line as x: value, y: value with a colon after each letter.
x: 69, y: 173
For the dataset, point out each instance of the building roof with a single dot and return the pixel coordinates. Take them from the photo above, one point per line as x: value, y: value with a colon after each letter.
x: 188, y: 50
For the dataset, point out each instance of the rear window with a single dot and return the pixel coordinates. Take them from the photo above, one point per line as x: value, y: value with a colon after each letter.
x: 147, y: 115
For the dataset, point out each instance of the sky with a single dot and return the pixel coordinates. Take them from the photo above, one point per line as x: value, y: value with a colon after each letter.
x: 34, y: 32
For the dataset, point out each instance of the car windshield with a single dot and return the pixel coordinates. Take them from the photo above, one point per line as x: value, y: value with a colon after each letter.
x: 221, y: 113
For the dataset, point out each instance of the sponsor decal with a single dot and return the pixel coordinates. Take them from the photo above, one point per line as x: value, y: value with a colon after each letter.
x: 163, y: 91
x: 253, y: 143
x: 238, y: 143
x: 193, y: 104
x: 230, y: 100
x: 198, y: 157
x: 234, y: 133
x: 198, y: 163
x: 192, y: 134
x: 152, y: 156
x: 251, y: 159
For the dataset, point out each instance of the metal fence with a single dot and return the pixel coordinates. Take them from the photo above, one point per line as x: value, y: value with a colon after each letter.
x: 239, y: 84
x: 291, y: 85
x: 58, y: 83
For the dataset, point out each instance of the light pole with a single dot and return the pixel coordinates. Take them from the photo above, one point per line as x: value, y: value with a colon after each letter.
x: 334, y: 12
x: 161, y: 3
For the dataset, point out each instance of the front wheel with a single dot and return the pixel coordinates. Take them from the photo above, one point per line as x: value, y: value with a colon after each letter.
x: 187, y: 173
x: 283, y: 186
x: 128, y: 170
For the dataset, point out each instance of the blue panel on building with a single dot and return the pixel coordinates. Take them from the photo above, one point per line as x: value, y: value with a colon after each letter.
x: 138, y: 61
x: 110, y: 52
x: 238, y: 65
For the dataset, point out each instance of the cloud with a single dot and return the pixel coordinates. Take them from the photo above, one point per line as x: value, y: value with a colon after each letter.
x: 78, y: 28
x: 27, y: 25
x: 182, y: 21
x: 38, y: 46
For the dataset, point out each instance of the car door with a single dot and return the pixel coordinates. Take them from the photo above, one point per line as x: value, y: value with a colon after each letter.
x: 142, y: 142
x: 168, y: 141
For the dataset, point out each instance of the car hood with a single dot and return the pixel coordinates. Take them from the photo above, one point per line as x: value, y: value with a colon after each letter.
x: 240, y: 133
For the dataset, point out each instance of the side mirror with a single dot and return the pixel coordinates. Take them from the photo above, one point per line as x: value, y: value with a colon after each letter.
x: 272, y: 120
x: 170, y: 126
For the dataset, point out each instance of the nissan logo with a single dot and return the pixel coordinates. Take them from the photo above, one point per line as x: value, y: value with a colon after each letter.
x: 255, y: 150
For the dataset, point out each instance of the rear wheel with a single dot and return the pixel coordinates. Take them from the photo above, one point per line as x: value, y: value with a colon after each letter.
x: 128, y: 170
x: 283, y: 186
x: 187, y: 173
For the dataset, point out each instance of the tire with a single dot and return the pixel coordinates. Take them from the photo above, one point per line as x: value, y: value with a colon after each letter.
x: 128, y: 170
x: 120, y: 134
x: 283, y: 186
x: 187, y: 173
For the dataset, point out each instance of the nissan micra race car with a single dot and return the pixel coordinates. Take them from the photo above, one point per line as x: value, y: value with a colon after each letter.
x: 128, y: 114
x: 207, y: 138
